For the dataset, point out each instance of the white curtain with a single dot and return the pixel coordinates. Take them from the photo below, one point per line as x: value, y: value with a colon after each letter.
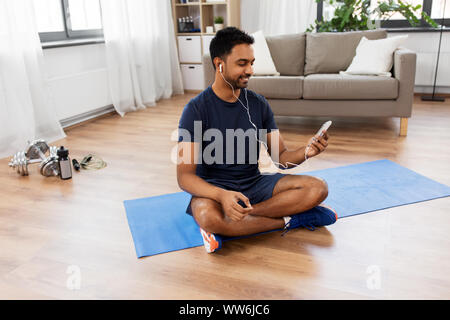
x: 26, y: 108
x: 141, y: 52
x: 275, y: 17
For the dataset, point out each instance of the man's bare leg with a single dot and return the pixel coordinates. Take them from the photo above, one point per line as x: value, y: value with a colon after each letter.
x: 210, y: 217
x: 292, y: 194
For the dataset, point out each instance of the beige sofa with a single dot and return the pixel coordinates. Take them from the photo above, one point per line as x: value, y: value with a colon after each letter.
x: 309, y: 83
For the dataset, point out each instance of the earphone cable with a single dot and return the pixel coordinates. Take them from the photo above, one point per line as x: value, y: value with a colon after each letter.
x: 256, y: 129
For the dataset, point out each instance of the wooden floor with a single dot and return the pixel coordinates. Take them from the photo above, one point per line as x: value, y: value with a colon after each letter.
x: 52, y: 231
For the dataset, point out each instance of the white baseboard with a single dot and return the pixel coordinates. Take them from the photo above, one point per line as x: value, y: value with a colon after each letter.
x: 429, y: 89
x: 67, y: 122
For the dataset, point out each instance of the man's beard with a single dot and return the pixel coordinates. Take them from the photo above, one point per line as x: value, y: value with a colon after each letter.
x: 238, y: 84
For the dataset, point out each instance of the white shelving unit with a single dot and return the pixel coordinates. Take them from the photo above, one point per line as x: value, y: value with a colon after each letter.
x: 192, y: 45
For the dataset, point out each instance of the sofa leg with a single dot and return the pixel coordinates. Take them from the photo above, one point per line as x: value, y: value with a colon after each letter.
x: 403, y: 126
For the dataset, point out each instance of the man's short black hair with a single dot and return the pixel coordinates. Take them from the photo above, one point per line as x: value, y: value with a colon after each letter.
x: 224, y: 41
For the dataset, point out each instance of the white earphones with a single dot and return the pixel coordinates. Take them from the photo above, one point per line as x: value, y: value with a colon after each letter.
x: 256, y: 129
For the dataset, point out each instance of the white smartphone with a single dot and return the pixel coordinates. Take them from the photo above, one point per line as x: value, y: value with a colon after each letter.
x: 323, y: 128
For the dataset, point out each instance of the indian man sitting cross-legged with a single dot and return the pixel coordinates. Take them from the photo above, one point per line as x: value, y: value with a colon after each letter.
x: 230, y: 196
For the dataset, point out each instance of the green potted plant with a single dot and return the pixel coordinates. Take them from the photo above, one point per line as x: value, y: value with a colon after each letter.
x: 352, y: 15
x: 218, y: 23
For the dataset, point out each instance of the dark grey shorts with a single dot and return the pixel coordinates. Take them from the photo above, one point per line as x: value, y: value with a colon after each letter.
x: 257, y: 189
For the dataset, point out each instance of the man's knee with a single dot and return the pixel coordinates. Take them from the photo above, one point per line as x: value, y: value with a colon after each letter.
x: 318, y: 187
x: 207, y: 216
x: 322, y: 187
x: 207, y: 221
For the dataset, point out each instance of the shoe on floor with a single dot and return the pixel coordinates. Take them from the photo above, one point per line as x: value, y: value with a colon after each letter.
x: 211, y: 241
x: 316, y: 217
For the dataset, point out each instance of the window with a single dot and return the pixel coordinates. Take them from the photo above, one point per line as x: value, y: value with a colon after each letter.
x: 437, y: 9
x: 399, y: 16
x: 434, y: 8
x: 397, y: 20
x: 68, y: 19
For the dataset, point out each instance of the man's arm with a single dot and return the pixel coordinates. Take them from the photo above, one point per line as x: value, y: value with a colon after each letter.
x: 186, y: 176
x: 297, y: 156
x: 196, y: 186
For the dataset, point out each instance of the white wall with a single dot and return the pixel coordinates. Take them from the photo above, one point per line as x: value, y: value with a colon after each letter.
x: 425, y: 44
x: 78, y: 79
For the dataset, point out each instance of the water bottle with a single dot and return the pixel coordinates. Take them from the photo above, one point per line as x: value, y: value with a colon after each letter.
x: 65, y: 168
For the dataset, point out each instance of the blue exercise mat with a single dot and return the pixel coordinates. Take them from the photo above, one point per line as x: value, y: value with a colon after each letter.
x: 159, y: 224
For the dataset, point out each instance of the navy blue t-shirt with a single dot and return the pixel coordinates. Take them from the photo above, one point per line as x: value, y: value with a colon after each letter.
x: 228, y: 143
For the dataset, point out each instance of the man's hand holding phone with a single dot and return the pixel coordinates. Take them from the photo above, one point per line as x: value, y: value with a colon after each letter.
x: 319, y: 142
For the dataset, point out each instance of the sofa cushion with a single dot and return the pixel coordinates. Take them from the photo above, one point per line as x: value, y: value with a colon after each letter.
x: 288, y: 53
x: 375, y: 57
x: 277, y: 87
x: 349, y: 87
x: 263, y: 64
x: 331, y: 52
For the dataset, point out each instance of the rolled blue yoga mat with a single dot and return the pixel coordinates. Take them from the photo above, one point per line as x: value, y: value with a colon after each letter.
x: 159, y: 224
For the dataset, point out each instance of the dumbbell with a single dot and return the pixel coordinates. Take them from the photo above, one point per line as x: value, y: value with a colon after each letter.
x: 20, y: 162
x: 49, y: 165
x: 36, y: 153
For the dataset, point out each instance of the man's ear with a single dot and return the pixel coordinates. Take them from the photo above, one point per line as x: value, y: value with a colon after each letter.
x: 217, y: 63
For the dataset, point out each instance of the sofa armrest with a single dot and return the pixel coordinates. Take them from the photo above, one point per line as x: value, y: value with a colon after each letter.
x: 208, y: 71
x: 405, y: 73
